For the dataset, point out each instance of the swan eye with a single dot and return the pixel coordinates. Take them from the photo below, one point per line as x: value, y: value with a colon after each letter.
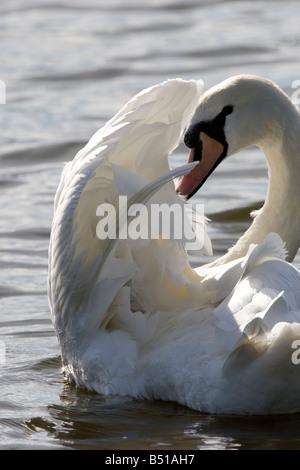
x: 213, y: 128
x: 227, y: 110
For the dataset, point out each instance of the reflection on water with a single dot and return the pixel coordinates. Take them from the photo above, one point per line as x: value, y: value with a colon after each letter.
x: 84, y: 420
x: 67, y: 69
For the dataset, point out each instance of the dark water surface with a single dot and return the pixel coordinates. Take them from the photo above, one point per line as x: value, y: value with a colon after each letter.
x: 66, y: 68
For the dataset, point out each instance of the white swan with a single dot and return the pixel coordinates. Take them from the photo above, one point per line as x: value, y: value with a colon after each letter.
x: 131, y: 316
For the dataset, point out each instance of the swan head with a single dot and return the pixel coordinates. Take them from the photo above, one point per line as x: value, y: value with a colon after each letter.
x: 238, y: 113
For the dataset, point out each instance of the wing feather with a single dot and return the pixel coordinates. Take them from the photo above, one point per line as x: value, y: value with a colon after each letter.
x: 139, y: 139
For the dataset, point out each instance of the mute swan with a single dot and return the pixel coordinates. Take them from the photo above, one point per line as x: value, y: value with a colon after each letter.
x: 132, y: 317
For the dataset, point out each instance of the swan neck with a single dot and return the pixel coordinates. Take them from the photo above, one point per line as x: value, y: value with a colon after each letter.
x: 280, y: 213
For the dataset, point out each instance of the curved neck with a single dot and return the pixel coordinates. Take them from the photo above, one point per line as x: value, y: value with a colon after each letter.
x: 281, y: 210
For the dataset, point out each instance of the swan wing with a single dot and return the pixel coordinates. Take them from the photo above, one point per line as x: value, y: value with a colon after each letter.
x: 264, y: 299
x: 133, y: 147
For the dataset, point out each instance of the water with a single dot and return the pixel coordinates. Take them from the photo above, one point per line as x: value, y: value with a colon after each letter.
x: 67, y: 67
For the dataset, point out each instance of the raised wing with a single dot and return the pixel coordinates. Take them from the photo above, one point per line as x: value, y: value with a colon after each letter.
x: 131, y: 148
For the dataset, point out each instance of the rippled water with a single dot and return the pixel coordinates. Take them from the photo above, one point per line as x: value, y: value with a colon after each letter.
x: 67, y: 67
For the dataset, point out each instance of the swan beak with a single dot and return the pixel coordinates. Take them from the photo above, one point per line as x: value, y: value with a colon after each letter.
x: 209, y: 152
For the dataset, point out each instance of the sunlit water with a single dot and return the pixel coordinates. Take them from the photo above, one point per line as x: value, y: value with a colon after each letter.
x: 67, y: 67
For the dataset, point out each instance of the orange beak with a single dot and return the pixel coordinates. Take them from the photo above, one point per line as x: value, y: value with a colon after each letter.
x: 212, y: 151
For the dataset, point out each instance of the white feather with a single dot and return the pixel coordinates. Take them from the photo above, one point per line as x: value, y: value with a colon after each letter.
x: 131, y: 315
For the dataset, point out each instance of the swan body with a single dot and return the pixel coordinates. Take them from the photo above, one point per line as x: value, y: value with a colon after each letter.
x: 132, y: 317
